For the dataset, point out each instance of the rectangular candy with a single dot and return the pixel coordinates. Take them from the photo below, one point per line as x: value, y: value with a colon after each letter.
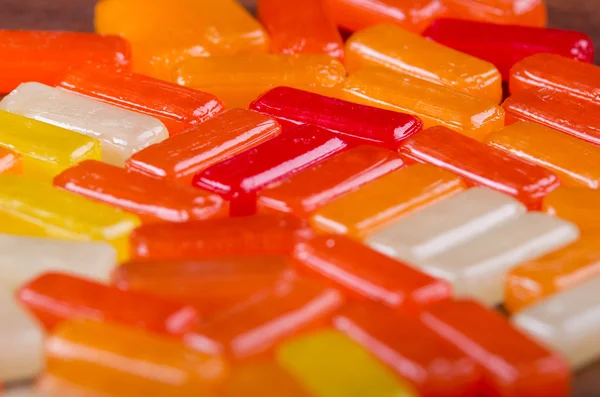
x: 525, y: 12
x: 300, y: 27
x: 180, y: 157
x: 413, y: 15
x: 23, y: 258
x: 567, y: 322
x: 166, y: 32
x: 153, y: 200
x: 433, y: 366
x: 178, y: 108
x: 478, y: 266
x: 268, y: 234
x: 54, y: 298
x: 10, y: 162
x: 442, y: 226
x: 133, y: 362
x: 530, y: 282
x: 573, y: 160
x: 368, y: 275
x: 432, y: 103
x: 209, y: 284
x: 314, y: 187
x: 241, y: 177
x: 354, y: 122
x: 21, y: 341
x: 46, y: 57
x: 35, y: 208
x: 343, y: 367
x: 46, y: 150
x: 121, y: 132
x: 257, y: 326
x: 481, y: 165
x: 557, y: 73
x: 559, y: 110
x: 262, y: 378
x: 514, y: 364
x: 395, y: 48
x: 376, y: 204
x: 505, y: 45
x: 575, y: 204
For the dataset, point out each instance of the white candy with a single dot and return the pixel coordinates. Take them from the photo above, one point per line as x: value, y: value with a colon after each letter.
x: 23, y: 258
x: 568, y: 322
x: 444, y: 225
x: 477, y: 267
x: 121, y: 132
x: 21, y: 341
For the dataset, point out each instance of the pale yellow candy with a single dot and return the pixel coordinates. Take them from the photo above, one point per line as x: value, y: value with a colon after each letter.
x: 329, y: 364
x: 30, y: 207
x: 47, y: 150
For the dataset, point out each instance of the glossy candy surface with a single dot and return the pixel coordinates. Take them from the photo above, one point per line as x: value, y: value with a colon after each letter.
x: 556, y: 73
x: 557, y: 271
x: 477, y: 267
x: 165, y: 32
x: 397, y: 49
x: 133, y: 362
x: 354, y: 122
x: 151, y: 199
x: 248, y: 172
x: 262, y: 378
x: 434, y: 104
x: 23, y: 258
x: 314, y: 187
x: 209, y: 284
x: 567, y: 322
x: 302, y: 27
x: 45, y: 150
x: 259, y: 324
x: 514, y: 364
x: 524, y: 12
x: 440, y: 227
x: 55, y: 298
x: 344, y: 368
x: 21, y: 341
x: 271, y: 234
x: 481, y: 165
x: 561, y: 111
x: 573, y: 160
x: 407, y: 346
x: 180, y: 157
x: 121, y: 132
x: 46, y: 57
x: 368, y: 275
x: 380, y: 202
x: 505, y: 45
x: 10, y: 162
x: 29, y: 207
x: 577, y: 205
x: 179, y: 108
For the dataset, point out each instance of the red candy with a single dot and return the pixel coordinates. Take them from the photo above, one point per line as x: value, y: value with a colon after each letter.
x: 353, y: 122
x: 481, y: 164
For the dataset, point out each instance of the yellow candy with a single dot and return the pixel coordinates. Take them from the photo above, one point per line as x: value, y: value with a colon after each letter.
x: 47, y: 150
x: 329, y: 364
x: 34, y: 208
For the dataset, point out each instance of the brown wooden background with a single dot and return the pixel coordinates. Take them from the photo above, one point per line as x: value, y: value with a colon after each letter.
x: 583, y: 15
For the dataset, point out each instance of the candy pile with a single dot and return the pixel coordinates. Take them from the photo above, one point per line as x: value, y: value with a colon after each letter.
x: 192, y: 204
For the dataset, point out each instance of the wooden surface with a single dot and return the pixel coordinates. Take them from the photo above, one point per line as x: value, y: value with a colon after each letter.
x: 582, y: 15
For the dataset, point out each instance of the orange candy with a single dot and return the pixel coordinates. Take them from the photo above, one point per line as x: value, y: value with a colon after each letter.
x: 575, y: 204
x: 153, y: 200
x: 46, y: 57
x: 566, y: 268
x: 271, y: 234
x: 180, y: 157
x: 262, y: 379
x: 124, y: 361
x: 382, y: 201
x: 522, y: 12
x: 300, y: 27
x: 10, y: 162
